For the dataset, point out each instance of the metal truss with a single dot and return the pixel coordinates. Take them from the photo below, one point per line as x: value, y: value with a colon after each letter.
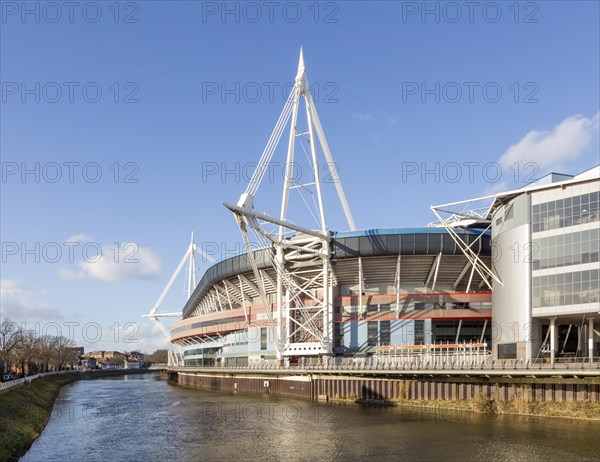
x: 175, y: 352
x: 299, y: 255
x: 465, y: 217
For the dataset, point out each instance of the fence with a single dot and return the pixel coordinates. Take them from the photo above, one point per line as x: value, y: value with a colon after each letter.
x: 21, y: 381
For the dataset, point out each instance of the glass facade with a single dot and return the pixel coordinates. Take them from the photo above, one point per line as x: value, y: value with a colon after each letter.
x: 566, y: 212
x: 379, y: 333
x: 566, y: 289
x: 566, y: 249
x: 470, y: 332
x: 344, y: 306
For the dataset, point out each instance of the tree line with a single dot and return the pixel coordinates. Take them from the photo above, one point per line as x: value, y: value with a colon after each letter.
x: 31, y: 352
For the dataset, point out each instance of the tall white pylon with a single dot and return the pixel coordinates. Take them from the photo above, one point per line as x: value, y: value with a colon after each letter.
x: 304, y: 324
x: 300, y: 90
x: 175, y: 352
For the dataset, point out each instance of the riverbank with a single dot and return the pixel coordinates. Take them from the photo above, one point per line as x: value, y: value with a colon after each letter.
x: 567, y: 410
x: 25, y: 410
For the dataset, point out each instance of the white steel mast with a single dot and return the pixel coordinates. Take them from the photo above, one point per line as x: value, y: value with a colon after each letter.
x: 175, y: 352
x: 302, y: 262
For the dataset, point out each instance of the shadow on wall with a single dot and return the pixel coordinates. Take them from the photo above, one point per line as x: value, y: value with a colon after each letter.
x: 367, y: 394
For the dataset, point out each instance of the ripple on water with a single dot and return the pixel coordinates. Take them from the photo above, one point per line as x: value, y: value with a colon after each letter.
x: 148, y: 419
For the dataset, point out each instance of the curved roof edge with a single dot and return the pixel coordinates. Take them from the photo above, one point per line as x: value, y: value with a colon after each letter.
x: 349, y: 244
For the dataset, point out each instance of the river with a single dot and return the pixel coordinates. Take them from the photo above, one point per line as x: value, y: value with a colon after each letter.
x: 141, y: 418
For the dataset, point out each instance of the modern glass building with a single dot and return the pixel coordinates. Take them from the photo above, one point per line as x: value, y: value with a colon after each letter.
x: 545, y: 252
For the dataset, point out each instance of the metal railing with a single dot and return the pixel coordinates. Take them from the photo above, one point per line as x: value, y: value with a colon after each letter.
x: 27, y: 379
x: 481, y: 362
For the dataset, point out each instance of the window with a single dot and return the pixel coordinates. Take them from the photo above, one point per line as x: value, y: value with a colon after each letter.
x: 338, y: 334
x: 419, y: 332
x: 566, y: 212
x: 372, y: 334
x: 384, y: 332
x: 263, y: 338
x: 566, y: 289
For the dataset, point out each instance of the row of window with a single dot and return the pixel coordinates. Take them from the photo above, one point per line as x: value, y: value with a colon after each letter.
x: 216, y: 322
x: 566, y: 249
x: 566, y: 289
x: 379, y: 332
x: 566, y: 212
x: 199, y: 362
x: 416, y: 307
x: 202, y: 351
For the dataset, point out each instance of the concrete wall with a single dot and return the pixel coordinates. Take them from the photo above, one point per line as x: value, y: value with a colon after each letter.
x: 348, y: 387
x: 511, y: 300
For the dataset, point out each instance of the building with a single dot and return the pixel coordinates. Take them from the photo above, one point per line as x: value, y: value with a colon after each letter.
x: 546, y: 240
x: 89, y: 363
x: 105, y: 359
x: 389, y: 288
x: 545, y: 266
x: 521, y: 273
x: 133, y: 364
x: 79, y: 351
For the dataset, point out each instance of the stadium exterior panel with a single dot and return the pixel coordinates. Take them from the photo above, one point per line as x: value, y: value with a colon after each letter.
x: 390, y: 290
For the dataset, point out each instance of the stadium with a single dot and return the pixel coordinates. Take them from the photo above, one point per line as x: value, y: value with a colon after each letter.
x: 389, y: 288
x: 306, y: 294
x: 406, y: 295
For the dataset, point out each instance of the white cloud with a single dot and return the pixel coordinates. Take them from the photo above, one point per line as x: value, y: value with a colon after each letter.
x: 81, y: 237
x: 152, y: 337
x: 25, y: 304
x: 70, y: 275
x: 553, y: 149
x: 496, y: 188
x: 126, y: 262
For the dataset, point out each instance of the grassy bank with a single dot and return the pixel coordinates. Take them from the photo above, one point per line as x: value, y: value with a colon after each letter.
x: 24, y: 412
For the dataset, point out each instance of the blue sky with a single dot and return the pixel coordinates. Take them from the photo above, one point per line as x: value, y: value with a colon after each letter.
x: 511, y: 89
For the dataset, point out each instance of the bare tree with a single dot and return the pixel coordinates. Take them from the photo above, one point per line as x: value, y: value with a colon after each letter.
x: 63, y: 352
x: 11, y: 336
x: 46, y: 351
x: 26, y: 352
x: 158, y: 357
x: 39, y: 353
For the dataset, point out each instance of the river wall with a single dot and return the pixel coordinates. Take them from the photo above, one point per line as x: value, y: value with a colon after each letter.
x: 322, y: 386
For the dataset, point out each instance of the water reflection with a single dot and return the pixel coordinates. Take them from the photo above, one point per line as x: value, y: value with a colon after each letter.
x: 140, y: 418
